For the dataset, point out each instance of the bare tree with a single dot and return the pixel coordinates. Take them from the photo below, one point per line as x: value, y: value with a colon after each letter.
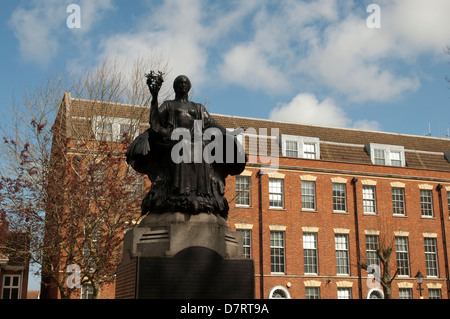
x: 386, y: 246
x: 64, y: 181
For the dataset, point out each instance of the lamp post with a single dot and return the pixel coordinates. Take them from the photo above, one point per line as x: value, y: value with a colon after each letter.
x: 419, y: 278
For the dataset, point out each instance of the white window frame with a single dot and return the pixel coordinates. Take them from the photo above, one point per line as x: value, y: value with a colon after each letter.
x: 388, y: 150
x: 301, y: 141
x: 243, y: 193
x: 116, y: 123
x: 398, y: 198
x: 448, y: 201
x: 339, y: 197
x: 11, y: 286
x: 426, y: 207
x: 281, y: 288
x: 308, y: 197
x: 86, y: 291
x: 342, y: 247
x: 344, y: 293
x: 402, y: 255
x: 405, y: 293
x: 312, y: 292
x: 372, y: 244
x: 369, y: 199
x: 278, y: 260
x: 431, y: 257
x: 246, y: 241
x: 375, y: 290
x: 310, y: 246
x: 273, y: 194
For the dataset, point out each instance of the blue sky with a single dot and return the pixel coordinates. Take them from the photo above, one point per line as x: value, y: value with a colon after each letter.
x: 313, y: 62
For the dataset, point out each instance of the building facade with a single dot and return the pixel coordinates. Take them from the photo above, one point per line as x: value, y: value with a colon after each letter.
x: 13, y: 268
x: 315, y: 203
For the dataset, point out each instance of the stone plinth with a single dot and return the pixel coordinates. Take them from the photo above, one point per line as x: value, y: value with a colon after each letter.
x: 176, y: 255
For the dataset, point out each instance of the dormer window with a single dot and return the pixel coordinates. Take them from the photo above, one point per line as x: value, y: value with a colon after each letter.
x: 390, y: 155
x: 113, y: 128
x: 300, y: 146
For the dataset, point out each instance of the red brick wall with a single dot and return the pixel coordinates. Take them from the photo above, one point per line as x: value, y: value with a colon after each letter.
x: 326, y: 220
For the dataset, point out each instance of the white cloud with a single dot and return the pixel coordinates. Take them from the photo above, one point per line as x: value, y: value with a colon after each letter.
x: 92, y: 12
x: 265, y: 61
x: 183, y: 32
x: 35, y: 29
x: 248, y: 67
x: 351, y: 60
x: 178, y: 38
x: 332, y: 46
x: 305, y: 108
x: 417, y: 26
x: 40, y: 26
x: 375, y: 64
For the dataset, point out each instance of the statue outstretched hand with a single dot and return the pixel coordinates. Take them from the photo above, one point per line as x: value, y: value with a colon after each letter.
x: 154, y: 82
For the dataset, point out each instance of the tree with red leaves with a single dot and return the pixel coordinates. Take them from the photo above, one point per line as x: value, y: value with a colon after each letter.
x: 74, y: 196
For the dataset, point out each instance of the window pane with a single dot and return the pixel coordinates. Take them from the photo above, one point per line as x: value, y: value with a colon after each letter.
x: 401, y: 245
x: 375, y: 294
x: 276, y: 193
x: 431, y: 257
x: 398, y: 201
x: 344, y: 293
x: 104, y: 131
x: 339, y: 197
x: 448, y: 201
x: 247, y: 242
x: 310, y: 253
x: 312, y: 293
x: 291, y: 149
x: 405, y: 293
x: 426, y: 202
x: 278, y: 294
x: 342, y: 261
x: 277, y: 251
x: 379, y: 157
x: 11, y: 287
x: 369, y: 202
x: 243, y: 190
x: 87, y: 292
x: 434, y: 293
x: 308, y: 195
x: 125, y: 130
x: 372, y: 246
x: 309, y: 150
x: 396, y: 158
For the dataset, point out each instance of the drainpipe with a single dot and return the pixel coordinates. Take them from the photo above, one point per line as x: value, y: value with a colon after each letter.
x: 261, y: 245
x: 444, y: 240
x: 358, y: 250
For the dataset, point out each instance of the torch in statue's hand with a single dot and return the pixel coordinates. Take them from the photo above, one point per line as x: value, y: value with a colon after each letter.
x: 154, y: 82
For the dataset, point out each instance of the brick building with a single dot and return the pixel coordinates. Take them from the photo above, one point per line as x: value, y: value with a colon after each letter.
x: 316, y: 202
x: 13, y: 266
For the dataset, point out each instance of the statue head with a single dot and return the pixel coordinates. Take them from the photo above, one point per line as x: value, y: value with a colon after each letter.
x: 181, y: 85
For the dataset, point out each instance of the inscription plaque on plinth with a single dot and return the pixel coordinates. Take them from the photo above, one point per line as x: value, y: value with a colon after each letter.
x: 181, y: 256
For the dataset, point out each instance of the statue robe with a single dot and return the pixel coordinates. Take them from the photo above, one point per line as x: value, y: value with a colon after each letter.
x: 186, y: 186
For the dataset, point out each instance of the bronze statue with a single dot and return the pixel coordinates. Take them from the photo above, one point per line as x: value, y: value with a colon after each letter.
x: 186, y: 154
